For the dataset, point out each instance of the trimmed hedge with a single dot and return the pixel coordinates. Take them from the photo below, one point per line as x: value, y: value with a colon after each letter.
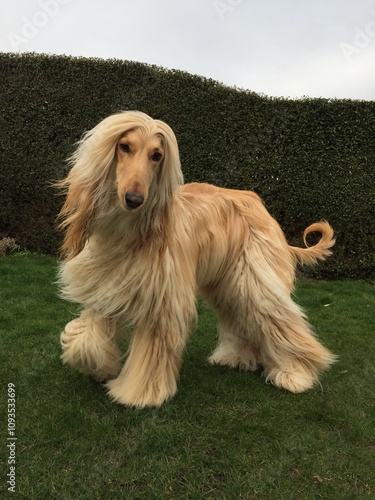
x: 308, y: 159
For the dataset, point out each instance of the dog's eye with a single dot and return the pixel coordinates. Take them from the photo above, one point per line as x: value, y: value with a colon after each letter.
x: 156, y: 156
x: 124, y: 147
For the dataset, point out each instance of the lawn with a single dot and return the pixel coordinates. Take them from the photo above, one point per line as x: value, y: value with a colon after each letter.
x: 226, y: 435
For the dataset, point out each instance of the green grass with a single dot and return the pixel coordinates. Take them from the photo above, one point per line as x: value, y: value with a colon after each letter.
x: 226, y: 434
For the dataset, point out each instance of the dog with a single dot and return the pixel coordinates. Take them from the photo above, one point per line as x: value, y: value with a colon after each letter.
x: 140, y: 245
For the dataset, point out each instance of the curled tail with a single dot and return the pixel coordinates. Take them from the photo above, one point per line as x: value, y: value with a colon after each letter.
x: 321, y: 250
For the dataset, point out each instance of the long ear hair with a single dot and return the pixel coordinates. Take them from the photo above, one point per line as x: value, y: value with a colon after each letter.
x: 170, y: 176
x: 89, y: 186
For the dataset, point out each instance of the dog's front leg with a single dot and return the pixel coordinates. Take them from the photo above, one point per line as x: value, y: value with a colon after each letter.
x: 88, y: 345
x: 149, y: 376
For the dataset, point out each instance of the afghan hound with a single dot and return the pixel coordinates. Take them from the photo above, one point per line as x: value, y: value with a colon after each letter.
x: 140, y: 245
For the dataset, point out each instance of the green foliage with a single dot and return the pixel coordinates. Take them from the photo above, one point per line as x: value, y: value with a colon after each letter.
x: 308, y: 159
x: 225, y: 435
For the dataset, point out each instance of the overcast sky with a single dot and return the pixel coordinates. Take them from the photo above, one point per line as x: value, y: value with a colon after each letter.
x: 289, y: 48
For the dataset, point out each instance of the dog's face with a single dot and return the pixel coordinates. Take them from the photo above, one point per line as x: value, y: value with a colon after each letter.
x: 139, y: 156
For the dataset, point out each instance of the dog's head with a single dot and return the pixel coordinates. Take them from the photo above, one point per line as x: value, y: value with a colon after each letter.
x: 128, y: 160
x: 147, y: 165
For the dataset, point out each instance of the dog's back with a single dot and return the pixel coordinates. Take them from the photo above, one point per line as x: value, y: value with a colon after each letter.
x: 250, y: 205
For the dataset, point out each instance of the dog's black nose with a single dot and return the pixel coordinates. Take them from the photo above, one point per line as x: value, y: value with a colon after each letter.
x: 133, y: 200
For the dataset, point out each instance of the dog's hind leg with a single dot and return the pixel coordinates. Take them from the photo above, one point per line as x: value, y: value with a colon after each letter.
x: 290, y: 354
x: 260, y: 323
x: 88, y: 345
x: 235, y: 348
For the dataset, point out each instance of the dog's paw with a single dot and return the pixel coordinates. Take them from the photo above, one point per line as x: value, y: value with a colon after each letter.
x: 246, y: 361
x: 293, y: 380
x: 89, y: 352
x: 121, y: 391
x: 72, y: 329
x: 72, y: 341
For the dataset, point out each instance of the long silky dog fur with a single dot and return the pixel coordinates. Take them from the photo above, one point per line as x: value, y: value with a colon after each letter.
x: 140, y: 245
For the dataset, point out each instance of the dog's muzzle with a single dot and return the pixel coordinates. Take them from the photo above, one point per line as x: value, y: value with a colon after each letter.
x: 133, y: 200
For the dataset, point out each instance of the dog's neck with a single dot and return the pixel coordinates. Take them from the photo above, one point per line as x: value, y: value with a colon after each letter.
x: 146, y: 225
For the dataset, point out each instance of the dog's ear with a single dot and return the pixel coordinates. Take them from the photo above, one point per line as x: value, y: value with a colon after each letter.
x: 86, y: 186
x: 170, y: 175
x: 76, y: 214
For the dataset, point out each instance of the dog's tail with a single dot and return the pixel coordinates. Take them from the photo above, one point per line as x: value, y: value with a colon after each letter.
x: 321, y: 250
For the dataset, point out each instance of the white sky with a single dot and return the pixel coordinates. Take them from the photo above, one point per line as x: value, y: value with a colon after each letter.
x: 289, y: 48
